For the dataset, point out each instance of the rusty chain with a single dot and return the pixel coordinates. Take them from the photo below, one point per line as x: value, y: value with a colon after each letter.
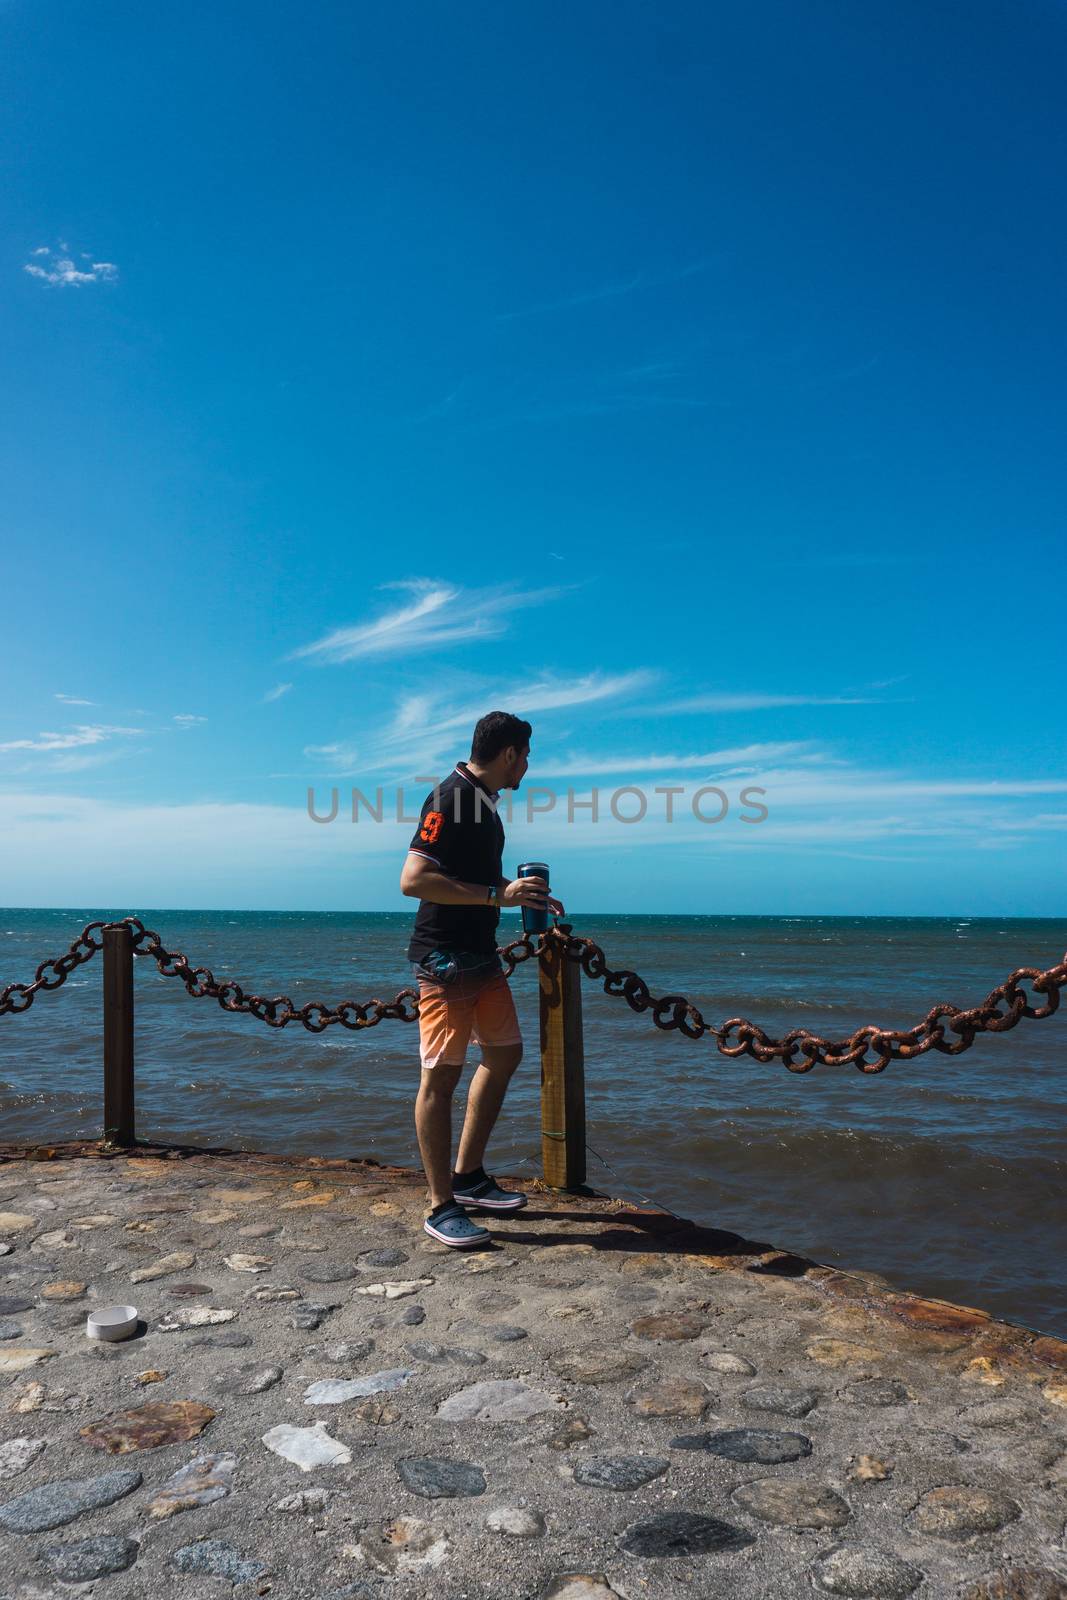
x: 799, y: 1049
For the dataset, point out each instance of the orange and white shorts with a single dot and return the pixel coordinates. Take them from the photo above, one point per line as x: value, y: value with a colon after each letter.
x: 452, y: 1014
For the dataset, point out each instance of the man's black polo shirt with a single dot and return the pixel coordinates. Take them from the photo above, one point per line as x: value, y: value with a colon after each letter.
x: 460, y: 832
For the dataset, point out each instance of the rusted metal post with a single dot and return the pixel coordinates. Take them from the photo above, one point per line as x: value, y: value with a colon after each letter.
x: 562, y: 1066
x: 118, y: 1035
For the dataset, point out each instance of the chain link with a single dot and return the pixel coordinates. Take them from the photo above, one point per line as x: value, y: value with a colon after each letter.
x: 799, y: 1049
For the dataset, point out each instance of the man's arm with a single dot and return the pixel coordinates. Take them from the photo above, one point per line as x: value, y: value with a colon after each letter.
x: 424, y: 880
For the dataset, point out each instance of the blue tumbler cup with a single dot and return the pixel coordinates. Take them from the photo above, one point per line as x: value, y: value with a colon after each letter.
x: 534, y: 920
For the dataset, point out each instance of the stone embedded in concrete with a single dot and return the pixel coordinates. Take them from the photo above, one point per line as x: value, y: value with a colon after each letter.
x: 994, y: 1414
x: 349, y: 1350
x: 878, y: 1392
x: 764, y: 1445
x: 388, y: 1256
x: 217, y: 1559
x: 844, y: 1353
x: 177, y: 1261
x: 259, y: 1230
x: 64, y: 1289
x: 784, y: 1398
x: 578, y: 1586
x: 517, y: 1521
x: 619, y: 1472
x: 440, y: 1355
x: 311, y: 1502
x: 395, y: 1290
x: 956, y: 1511
x: 412, y: 1316
x: 871, y: 1469
x: 793, y: 1503
x: 683, y: 1533
x: 84, y: 1560
x: 726, y: 1362
x: 596, y: 1366
x: 1018, y: 1583
x: 327, y: 1271
x: 407, y: 1544
x: 18, y: 1454
x: 187, y: 1291
x: 672, y: 1397
x: 229, y: 1339
x: 307, y: 1448
x: 437, y: 1478
x: 505, y: 1332
x: 17, y: 1357
x: 574, y: 1431
x: 309, y: 1317
x: 241, y: 1261
x: 150, y: 1375
x: 497, y: 1400
x: 51, y: 1505
x: 334, y: 1391
x: 194, y: 1317
x: 251, y: 1379
x: 670, y: 1325
x: 865, y: 1572
x: 147, y: 1427
x: 11, y: 1330
x: 379, y: 1413
x: 200, y: 1482
x: 16, y: 1221
x: 11, y: 1305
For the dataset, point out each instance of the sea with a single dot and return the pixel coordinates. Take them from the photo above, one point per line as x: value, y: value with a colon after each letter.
x: 948, y: 1175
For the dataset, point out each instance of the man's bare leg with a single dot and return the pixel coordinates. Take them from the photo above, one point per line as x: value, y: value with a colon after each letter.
x: 485, y: 1096
x: 433, y: 1124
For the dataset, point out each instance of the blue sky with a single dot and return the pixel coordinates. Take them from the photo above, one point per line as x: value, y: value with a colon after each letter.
x: 687, y: 379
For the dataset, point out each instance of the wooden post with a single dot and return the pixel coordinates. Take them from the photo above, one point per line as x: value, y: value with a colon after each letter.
x: 562, y: 1067
x: 118, y: 1035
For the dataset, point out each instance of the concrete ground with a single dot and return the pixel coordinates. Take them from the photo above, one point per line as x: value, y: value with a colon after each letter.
x: 320, y: 1401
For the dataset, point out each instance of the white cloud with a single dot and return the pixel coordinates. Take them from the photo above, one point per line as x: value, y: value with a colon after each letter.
x: 70, y: 700
x: 82, y: 735
x: 186, y: 719
x: 588, y: 766
x: 339, y: 759
x: 276, y: 693
x: 424, y: 727
x: 58, y: 267
x: 758, y: 701
x: 439, y: 614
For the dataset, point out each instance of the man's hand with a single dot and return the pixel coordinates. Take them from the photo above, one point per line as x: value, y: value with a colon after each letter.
x: 531, y: 892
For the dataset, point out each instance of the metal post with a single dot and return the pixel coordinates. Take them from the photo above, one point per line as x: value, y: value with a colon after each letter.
x: 118, y: 1035
x: 562, y: 1067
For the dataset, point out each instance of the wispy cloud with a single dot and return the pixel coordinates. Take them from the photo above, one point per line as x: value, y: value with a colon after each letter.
x: 60, y: 267
x: 276, y: 693
x: 439, y: 614
x: 611, y: 290
x: 759, y: 701
x: 186, y: 719
x: 333, y: 760
x: 70, y: 700
x: 748, y: 755
x: 84, y: 734
x: 422, y: 734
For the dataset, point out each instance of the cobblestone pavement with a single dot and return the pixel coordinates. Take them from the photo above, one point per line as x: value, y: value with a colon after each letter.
x: 320, y: 1401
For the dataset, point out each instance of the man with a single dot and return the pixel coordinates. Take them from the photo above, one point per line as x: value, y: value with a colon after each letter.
x: 454, y: 867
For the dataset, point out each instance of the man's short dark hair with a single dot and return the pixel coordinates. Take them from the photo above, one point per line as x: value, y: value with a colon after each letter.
x: 495, y: 731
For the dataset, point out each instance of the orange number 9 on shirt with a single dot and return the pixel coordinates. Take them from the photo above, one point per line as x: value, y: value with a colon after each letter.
x: 431, y: 826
